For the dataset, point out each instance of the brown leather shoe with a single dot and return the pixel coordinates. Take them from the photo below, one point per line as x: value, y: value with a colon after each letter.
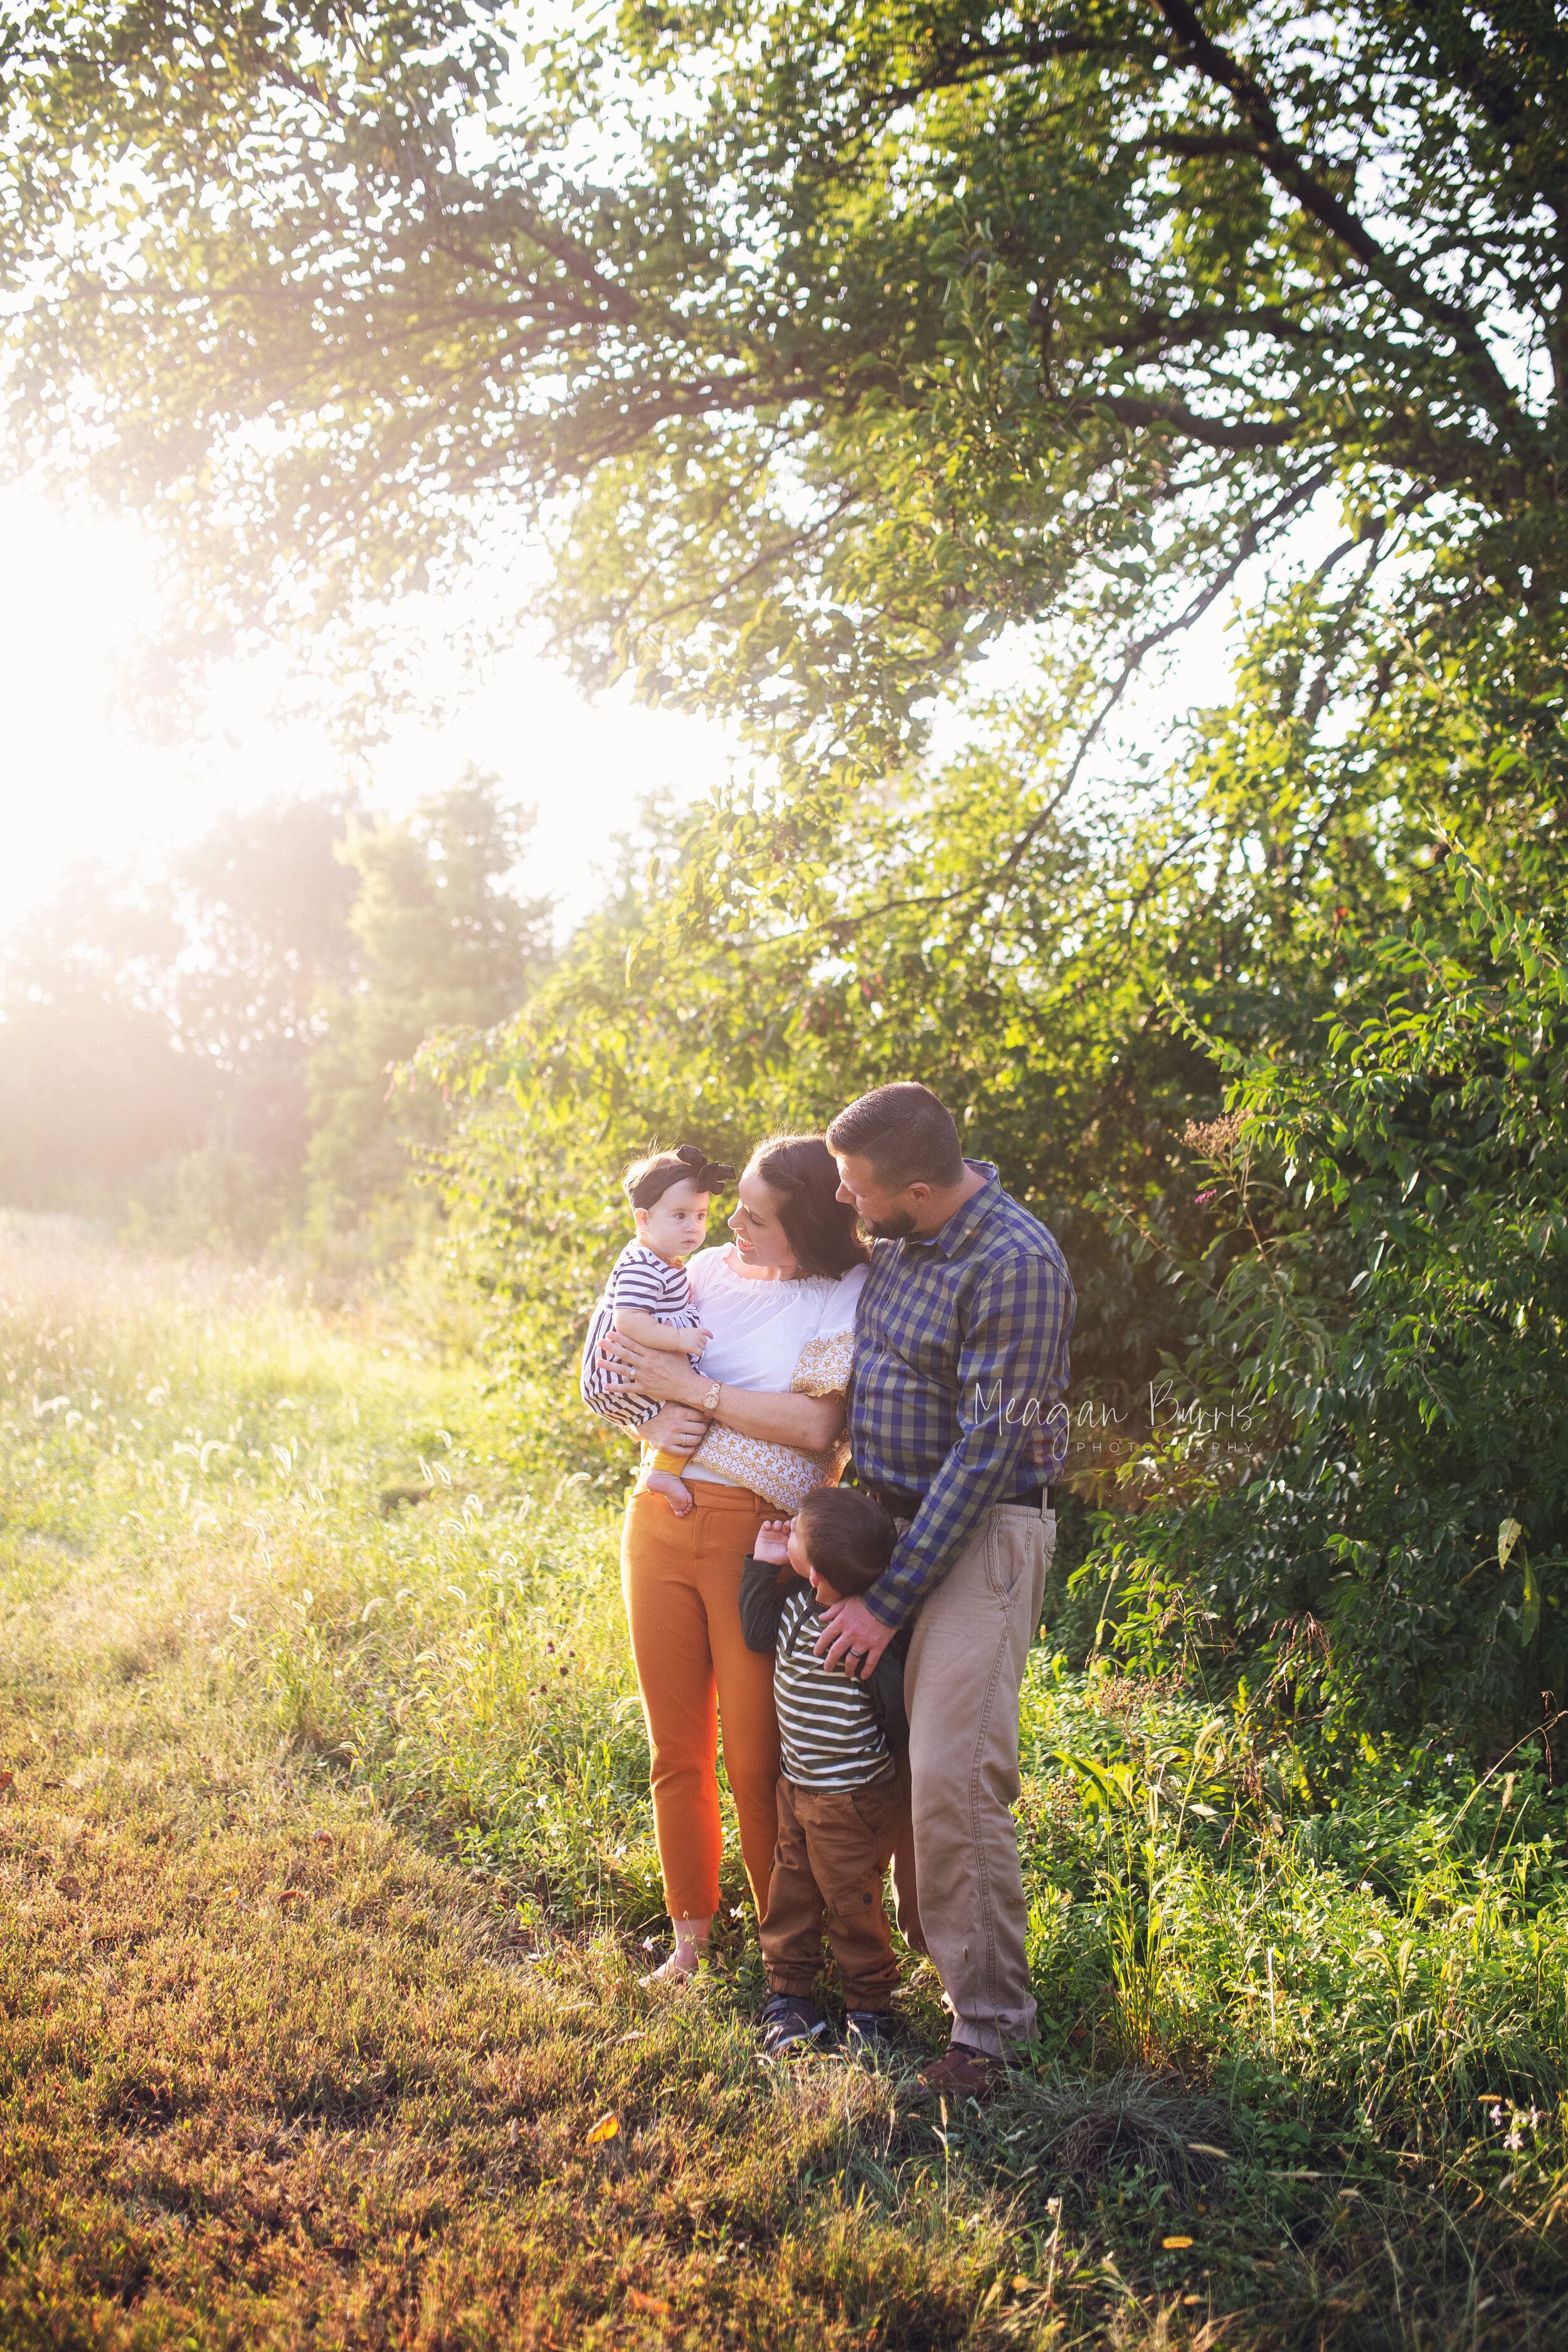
x: 963, y: 2073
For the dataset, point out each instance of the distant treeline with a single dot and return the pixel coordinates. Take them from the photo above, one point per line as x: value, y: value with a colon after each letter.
x: 209, y: 1053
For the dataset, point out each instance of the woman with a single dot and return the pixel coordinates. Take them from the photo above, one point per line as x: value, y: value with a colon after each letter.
x: 769, y: 1406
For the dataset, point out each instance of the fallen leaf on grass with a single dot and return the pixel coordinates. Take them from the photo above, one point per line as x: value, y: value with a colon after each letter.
x: 69, y: 1886
x: 640, y: 2301
x: 1173, y: 2243
x: 289, y: 1894
x: 7, y: 1780
x: 1021, y: 2284
x: 606, y: 2128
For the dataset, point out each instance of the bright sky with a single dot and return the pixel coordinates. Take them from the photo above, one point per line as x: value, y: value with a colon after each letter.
x: 79, y: 781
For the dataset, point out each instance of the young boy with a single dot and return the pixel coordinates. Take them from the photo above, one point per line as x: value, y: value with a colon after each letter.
x: 647, y: 1296
x: 841, y: 1800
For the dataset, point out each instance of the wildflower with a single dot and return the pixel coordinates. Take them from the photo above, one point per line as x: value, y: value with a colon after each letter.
x: 1514, y: 2139
x: 1201, y: 1199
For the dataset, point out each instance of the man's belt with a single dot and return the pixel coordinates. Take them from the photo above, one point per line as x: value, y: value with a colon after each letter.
x: 904, y: 1506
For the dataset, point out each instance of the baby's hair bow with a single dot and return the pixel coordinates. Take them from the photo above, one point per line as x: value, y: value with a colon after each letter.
x: 706, y: 1174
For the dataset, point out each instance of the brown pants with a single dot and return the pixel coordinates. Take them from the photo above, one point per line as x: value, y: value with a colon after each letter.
x: 681, y: 1582
x: 833, y: 1845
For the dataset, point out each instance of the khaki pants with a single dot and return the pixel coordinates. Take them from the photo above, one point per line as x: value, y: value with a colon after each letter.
x: 963, y: 1898
x: 833, y: 1845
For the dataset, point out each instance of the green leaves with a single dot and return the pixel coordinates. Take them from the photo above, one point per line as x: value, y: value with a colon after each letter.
x: 873, y: 338
x: 1508, y: 1534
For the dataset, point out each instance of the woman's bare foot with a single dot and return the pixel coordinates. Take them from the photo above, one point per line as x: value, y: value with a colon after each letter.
x: 691, y: 1943
x: 676, y: 1491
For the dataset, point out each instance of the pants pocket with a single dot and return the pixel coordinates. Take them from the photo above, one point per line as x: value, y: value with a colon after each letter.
x: 877, y: 1802
x: 1010, y: 1540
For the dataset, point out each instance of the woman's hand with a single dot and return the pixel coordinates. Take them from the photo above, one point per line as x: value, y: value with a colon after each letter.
x: 810, y: 1424
x: 655, y: 1372
x: 676, y: 1427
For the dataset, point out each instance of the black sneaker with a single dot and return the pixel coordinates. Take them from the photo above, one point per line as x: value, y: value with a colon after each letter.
x: 869, y: 2030
x: 788, y: 2021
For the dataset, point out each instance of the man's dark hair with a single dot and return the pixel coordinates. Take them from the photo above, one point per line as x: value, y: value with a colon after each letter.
x: 647, y: 1180
x: 848, y: 1536
x: 908, y: 1136
x: 802, y: 1176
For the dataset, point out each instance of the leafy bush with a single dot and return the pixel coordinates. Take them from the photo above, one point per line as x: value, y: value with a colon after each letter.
x: 1387, y: 1282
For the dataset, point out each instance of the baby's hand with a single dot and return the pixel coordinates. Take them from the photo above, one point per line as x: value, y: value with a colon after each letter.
x: 772, y: 1542
x: 698, y: 1341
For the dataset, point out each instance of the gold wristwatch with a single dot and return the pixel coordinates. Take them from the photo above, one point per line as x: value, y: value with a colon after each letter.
x: 709, y: 1402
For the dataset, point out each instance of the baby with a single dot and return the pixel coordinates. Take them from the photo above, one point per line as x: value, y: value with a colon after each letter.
x: 648, y: 1296
x: 842, y: 1800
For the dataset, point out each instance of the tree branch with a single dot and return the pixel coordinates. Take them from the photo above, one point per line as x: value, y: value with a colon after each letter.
x: 1288, y: 167
x: 1213, y: 432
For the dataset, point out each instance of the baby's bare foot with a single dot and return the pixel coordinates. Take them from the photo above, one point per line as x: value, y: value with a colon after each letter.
x: 676, y: 1492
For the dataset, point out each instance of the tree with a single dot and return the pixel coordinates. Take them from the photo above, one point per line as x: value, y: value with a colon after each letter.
x: 94, y: 1086
x: 440, y: 945
x: 928, y: 324
x: 916, y: 331
x: 266, y: 904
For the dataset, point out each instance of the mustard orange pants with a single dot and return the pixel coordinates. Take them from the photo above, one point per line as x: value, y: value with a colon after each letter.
x: 681, y: 1582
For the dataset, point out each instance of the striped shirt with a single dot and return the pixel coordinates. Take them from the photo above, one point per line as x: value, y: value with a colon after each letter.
x: 828, y: 1733
x: 650, y: 1285
x: 960, y: 1382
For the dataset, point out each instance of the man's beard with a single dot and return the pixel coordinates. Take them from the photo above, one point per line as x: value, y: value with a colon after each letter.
x: 890, y: 1229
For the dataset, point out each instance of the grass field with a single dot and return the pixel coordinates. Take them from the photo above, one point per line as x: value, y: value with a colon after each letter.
x: 326, y: 1878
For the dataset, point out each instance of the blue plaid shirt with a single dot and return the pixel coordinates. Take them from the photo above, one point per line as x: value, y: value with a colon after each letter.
x: 960, y: 1381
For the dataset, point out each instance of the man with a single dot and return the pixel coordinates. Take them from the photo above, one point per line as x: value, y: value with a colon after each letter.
x: 958, y: 1424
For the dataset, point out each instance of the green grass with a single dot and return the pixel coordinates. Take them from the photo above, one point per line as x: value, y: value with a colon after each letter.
x: 326, y: 1876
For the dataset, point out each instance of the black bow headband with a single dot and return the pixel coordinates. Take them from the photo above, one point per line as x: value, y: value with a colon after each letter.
x: 706, y: 1174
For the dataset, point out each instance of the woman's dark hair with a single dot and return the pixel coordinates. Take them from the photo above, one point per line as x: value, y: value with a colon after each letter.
x: 848, y: 1536
x: 647, y: 1180
x: 802, y: 1176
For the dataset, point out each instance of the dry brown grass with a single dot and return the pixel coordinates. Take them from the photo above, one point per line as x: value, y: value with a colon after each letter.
x: 272, y: 2087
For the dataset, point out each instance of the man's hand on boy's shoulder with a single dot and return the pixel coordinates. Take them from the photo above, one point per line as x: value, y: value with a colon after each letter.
x: 851, y: 1638
x: 772, y: 1542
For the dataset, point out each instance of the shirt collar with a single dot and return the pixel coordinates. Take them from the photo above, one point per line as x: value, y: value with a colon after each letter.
x: 950, y: 1238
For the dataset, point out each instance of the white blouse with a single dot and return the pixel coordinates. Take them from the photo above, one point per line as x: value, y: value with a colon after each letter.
x: 773, y: 1337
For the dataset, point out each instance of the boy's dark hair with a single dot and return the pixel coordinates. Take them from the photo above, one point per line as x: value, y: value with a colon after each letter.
x: 647, y: 1180
x: 848, y: 1536
x: 905, y: 1131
